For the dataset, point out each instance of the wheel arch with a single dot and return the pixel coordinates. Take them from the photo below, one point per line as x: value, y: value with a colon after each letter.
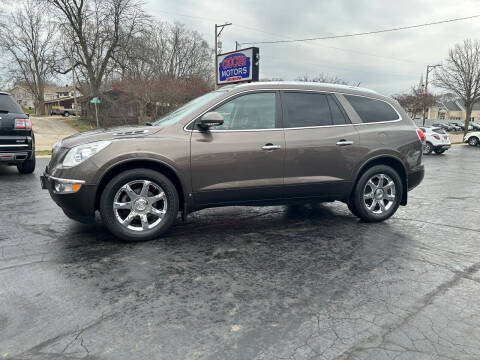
x: 156, y: 165
x: 394, y: 163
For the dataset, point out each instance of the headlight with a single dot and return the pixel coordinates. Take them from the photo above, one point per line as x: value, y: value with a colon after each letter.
x: 80, y: 153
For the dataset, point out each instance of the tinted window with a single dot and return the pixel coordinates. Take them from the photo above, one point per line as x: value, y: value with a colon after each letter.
x: 371, y: 110
x: 252, y: 111
x: 307, y: 109
x: 338, y: 117
x: 439, y: 131
x: 8, y: 104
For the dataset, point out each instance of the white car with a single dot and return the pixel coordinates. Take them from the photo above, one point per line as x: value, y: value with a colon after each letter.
x: 472, y: 138
x: 436, y: 139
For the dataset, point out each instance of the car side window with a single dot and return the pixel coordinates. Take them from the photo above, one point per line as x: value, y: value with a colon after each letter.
x: 249, y: 112
x: 372, y: 110
x: 306, y: 109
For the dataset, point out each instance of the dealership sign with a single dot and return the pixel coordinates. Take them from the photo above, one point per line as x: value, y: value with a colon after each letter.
x: 238, y: 66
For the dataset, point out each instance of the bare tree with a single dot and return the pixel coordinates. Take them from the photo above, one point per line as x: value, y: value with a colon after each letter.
x: 29, y: 40
x: 324, y: 78
x: 461, y: 75
x: 93, y: 30
x: 414, y: 100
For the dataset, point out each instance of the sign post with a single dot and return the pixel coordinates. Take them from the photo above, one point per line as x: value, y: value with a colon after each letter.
x: 238, y: 66
x: 96, y: 101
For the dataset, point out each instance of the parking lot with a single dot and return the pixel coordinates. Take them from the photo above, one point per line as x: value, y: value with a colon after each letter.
x: 308, y: 282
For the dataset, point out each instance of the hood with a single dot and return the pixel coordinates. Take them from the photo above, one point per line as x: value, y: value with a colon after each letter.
x: 122, y: 132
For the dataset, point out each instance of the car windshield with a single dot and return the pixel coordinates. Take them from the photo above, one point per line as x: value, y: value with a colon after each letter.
x: 8, y: 105
x: 177, y: 115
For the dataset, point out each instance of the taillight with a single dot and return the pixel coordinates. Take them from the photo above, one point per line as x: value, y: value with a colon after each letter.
x: 436, y: 136
x: 421, y: 135
x: 23, y: 124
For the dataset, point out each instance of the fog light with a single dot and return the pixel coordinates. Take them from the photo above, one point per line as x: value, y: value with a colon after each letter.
x: 64, y: 188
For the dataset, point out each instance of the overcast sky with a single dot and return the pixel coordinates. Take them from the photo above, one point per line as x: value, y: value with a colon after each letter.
x: 389, y: 63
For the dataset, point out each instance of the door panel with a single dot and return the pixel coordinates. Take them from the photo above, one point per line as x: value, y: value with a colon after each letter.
x: 315, y: 165
x: 319, y: 160
x: 234, y: 163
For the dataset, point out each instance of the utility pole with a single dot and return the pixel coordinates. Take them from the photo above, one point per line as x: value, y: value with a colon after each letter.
x: 217, y: 35
x: 429, y: 68
x: 237, y: 45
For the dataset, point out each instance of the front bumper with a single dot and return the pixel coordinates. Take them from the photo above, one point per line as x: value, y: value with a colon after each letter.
x: 79, y: 205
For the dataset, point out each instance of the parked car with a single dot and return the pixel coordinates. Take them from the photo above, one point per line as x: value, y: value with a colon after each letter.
x: 455, y: 126
x: 475, y: 126
x: 251, y: 144
x: 17, y: 141
x: 472, y: 138
x: 445, y: 127
x: 64, y: 112
x: 436, y: 139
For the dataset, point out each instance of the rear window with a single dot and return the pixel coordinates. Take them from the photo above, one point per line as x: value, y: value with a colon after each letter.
x: 439, y: 131
x: 9, y: 105
x: 372, y: 110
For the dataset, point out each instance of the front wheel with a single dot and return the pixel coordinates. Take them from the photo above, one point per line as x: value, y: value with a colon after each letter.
x: 378, y: 193
x: 139, y: 204
x: 66, y: 114
x: 473, y: 141
x: 439, y: 151
x: 28, y: 166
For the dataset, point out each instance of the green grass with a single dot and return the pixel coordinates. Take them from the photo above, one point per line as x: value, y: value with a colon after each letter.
x: 29, y: 111
x: 43, y: 152
x: 80, y: 124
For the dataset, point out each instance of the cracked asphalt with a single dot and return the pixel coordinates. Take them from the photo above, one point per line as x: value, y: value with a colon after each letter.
x: 296, y: 283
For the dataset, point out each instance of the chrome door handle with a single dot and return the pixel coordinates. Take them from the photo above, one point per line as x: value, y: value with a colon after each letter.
x: 344, y: 143
x: 271, y: 147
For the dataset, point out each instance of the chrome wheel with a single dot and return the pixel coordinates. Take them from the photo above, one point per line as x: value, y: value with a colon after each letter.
x: 379, y: 194
x: 427, y: 148
x: 473, y: 141
x: 140, y: 205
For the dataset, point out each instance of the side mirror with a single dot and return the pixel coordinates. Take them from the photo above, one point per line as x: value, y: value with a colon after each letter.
x: 211, y: 119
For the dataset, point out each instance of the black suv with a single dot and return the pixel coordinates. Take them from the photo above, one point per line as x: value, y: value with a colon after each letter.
x: 17, y: 142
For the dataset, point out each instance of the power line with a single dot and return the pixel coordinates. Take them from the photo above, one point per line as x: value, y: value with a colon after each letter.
x: 363, y: 33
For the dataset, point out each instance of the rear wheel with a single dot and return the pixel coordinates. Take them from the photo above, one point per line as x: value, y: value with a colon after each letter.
x: 28, y: 166
x: 427, y: 148
x: 473, y: 141
x: 139, y: 204
x: 66, y: 114
x: 378, y: 193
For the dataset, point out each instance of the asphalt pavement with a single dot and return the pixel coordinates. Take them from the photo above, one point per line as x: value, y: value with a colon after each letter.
x: 310, y: 282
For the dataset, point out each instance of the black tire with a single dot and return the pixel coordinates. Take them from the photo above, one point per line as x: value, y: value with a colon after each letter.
x: 66, y: 114
x: 28, y: 166
x: 358, y: 199
x: 439, y: 151
x: 473, y: 141
x: 427, y: 148
x: 110, y: 191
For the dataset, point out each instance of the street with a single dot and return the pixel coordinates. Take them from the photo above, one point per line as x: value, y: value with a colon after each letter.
x: 300, y: 282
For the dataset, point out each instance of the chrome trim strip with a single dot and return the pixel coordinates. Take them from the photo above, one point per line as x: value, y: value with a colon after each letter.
x: 296, y: 128
x: 64, y: 181
x: 15, y: 145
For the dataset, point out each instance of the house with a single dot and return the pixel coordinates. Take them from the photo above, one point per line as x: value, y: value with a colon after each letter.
x: 25, y: 97
x: 67, y: 91
x: 452, y: 111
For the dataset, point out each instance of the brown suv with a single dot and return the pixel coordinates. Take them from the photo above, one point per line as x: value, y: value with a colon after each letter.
x: 253, y: 144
